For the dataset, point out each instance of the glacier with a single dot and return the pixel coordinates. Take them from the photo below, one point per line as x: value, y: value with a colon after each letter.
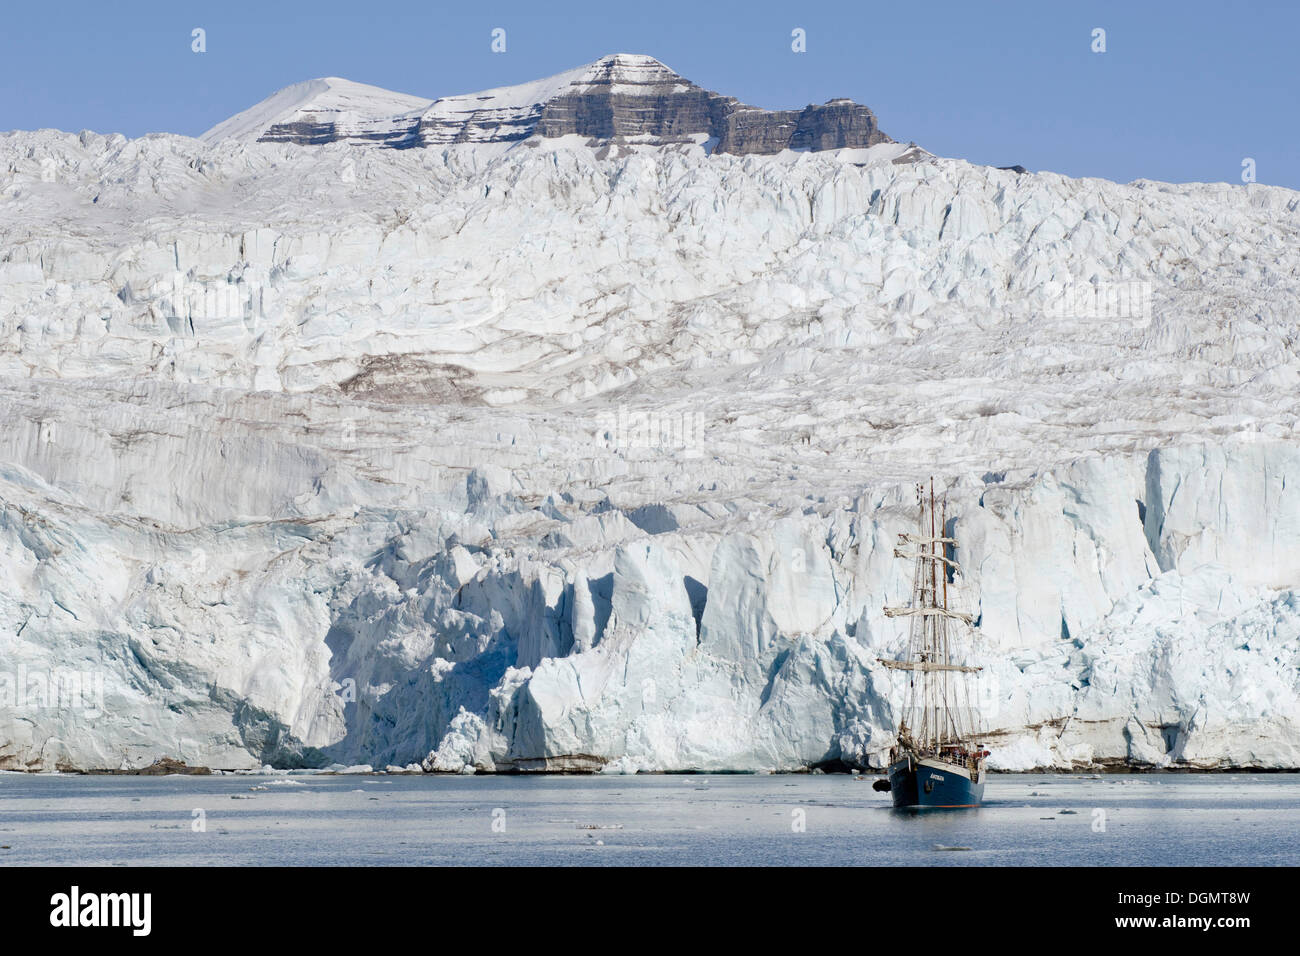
x: 562, y: 455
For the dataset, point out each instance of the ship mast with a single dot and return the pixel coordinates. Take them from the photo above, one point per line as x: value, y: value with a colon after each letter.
x: 932, y: 717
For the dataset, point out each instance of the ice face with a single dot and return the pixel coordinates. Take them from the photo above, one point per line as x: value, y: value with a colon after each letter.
x: 570, y: 457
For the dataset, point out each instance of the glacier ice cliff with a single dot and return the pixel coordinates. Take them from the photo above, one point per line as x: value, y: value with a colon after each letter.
x: 550, y: 455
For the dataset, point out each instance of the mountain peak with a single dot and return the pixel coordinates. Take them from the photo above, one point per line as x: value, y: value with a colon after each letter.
x: 621, y: 97
x: 631, y: 61
x: 633, y: 67
x: 321, y: 110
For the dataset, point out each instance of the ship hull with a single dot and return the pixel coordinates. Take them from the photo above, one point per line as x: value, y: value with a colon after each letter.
x: 931, y: 783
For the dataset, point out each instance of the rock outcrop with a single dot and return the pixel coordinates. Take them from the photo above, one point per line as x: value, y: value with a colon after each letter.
x: 620, y: 98
x: 326, y: 110
x: 836, y: 124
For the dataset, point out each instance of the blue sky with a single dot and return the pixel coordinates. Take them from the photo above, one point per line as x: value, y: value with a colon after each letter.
x: 1184, y: 92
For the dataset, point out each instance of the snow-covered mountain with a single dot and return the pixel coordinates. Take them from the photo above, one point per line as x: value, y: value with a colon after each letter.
x: 558, y: 453
x: 325, y: 110
x: 624, y: 97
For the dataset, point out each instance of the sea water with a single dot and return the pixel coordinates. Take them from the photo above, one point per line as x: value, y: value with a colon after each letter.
x: 835, y: 819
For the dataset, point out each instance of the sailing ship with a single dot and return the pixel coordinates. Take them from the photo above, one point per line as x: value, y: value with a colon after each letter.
x: 936, y: 762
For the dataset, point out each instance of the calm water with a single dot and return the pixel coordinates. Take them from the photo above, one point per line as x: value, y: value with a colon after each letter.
x: 1184, y: 819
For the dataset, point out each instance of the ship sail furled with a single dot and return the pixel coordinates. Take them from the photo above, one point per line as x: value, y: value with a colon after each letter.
x: 937, y: 716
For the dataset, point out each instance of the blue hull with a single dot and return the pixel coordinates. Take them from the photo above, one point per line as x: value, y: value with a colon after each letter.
x: 917, y: 785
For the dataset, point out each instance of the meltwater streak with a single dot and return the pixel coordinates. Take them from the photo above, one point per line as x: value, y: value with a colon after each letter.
x: 1027, y: 820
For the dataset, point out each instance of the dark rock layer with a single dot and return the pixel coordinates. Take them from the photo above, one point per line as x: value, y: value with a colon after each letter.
x: 621, y: 98
x: 324, y: 133
x: 640, y: 99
